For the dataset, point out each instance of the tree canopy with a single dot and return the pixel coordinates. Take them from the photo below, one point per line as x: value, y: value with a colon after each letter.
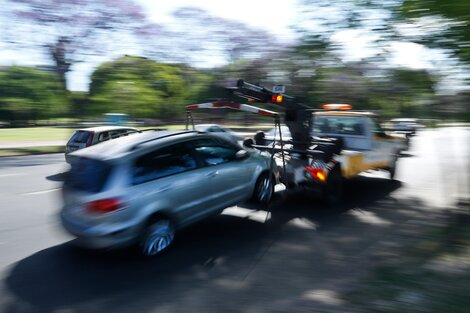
x: 28, y: 93
x: 138, y: 86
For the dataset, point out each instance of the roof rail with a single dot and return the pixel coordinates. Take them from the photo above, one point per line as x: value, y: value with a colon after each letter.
x: 164, y: 136
x: 153, y: 129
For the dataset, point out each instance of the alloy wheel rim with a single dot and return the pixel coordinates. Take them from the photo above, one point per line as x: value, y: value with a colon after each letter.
x: 265, y: 190
x: 160, y: 237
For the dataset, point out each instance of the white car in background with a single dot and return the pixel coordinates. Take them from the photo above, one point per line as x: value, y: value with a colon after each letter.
x: 219, y: 131
x: 86, y: 137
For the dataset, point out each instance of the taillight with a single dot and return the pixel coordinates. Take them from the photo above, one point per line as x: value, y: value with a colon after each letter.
x: 90, y: 138
x: 316, y: 173
x: 104, y: 206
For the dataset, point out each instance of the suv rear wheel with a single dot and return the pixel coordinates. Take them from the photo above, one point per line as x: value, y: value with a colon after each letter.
x: 157, y: 237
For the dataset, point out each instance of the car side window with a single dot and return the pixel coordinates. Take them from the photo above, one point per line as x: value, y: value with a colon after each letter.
x: 103, y: 136
x: 213, y: 152
x: 115, y: 134
x: 216, y: 129
x: 163, y: 162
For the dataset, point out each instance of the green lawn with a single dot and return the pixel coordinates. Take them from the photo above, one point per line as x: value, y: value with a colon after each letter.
x: 31, y: 150
x: 35, y: 134
x: 60, y: 133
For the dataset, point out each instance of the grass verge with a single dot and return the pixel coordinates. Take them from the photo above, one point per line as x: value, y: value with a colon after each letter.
x: 431, y: 275
x: 34, y: 134
x: 31, y: 150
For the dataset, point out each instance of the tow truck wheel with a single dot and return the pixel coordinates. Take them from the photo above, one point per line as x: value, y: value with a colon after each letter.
x: 264, y: 189
x: 333, y: 190
x: 393, y: 167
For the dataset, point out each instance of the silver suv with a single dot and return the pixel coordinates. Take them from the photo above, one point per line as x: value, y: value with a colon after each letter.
x: 142, y: 188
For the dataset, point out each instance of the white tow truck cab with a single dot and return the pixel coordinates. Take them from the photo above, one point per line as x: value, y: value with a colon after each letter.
x: 365, y: 144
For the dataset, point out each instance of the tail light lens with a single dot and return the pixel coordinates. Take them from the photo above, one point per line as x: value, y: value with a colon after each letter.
x: 316, y: 173
x: 104, y: 206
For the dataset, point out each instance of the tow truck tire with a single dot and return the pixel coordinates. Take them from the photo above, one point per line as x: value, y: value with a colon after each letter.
x: 333, y: 189
x: 393, y: 167
x: 264, y: 189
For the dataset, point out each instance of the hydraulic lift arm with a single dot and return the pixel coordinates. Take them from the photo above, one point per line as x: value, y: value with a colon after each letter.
x: 297, y: 115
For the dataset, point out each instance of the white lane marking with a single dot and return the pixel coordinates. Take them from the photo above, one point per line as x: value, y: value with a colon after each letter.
x: 39, y: 192
x: 12, y: 174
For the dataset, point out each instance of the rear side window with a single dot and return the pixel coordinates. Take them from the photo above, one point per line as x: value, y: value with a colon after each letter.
x: 103, y: 136
x: 214, y: 152
x: 163, y: 162
x: 80, y: 136
x: 215, y: 129
x: 87, y: 174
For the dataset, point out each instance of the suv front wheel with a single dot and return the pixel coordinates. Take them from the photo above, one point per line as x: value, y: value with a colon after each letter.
x: 264, y: 189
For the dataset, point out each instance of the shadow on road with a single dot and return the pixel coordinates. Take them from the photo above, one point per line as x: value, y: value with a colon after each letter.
x: 205, y: 257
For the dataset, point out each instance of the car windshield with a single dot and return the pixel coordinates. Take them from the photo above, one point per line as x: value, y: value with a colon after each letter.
x: 87, y: 174
x: 340, y: 125
x: 80, y: 136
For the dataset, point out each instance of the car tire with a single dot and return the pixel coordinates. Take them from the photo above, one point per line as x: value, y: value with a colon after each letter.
x: 157, y: 236
x: 333, y: 189
x: 264, y: 189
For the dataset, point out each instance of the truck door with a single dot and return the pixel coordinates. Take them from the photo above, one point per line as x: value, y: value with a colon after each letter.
x: 381, y: 152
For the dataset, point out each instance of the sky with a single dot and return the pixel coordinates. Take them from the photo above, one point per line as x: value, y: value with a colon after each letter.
x: 276, y: 17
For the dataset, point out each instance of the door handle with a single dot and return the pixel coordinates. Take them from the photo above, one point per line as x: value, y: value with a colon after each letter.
x: 165, y: 188
x: 212, y: 174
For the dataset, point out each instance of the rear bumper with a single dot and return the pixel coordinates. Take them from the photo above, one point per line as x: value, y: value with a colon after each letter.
x: 100, y: 236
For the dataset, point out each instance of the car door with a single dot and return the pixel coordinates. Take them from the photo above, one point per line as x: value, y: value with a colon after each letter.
x: 170, y: 179
x: 229, y: 178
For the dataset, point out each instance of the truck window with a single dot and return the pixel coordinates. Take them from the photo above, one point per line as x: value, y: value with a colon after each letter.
x: 338, y: 125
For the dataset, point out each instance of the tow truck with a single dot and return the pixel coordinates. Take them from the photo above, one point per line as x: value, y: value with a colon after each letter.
x: 323, y: 146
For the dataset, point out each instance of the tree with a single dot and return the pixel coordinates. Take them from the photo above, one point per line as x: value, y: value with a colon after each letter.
x: 137, y: 86
x: 70, y: 30
x: 27, y: 93
x: 448, y: 24
x: 200, y: 38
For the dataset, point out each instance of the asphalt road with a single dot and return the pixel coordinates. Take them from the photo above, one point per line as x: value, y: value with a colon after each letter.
x: 300, y: 257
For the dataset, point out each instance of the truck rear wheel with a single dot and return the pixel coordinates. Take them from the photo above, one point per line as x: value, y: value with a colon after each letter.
x: 393, y: 167
x: 333, y: 191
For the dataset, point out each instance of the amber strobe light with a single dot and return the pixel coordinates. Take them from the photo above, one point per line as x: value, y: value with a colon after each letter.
x: 277, y: 98
x: 336, y: 106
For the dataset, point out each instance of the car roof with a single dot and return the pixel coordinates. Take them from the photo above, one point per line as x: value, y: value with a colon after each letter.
x: 208, y: 125
x: 105, y: 128
x: 347, y: 113
x: 404, y: 120
x: 122, y: 146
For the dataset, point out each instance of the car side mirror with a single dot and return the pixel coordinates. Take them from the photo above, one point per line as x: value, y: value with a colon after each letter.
x: 241, y: 154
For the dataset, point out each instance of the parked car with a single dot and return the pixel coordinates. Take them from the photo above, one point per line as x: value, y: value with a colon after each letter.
x: 273, y: 134
x: 219, y: 131
x: 86, y: 137
x: 405, y: 126
x: 142, y: 188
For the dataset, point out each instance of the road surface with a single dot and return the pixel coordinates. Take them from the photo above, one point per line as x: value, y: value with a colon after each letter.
x: 299, y: 257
